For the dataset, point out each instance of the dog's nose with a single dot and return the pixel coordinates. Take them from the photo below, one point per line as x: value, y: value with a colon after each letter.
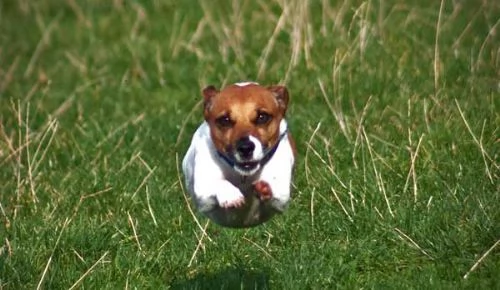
x: 245, y: 147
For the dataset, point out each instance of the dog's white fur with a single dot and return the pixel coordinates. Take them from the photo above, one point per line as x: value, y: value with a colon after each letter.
x: 227, y: 196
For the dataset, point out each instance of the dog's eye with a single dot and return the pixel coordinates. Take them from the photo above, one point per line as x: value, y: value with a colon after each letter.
x: 224, y: 122
x: 263, y: 118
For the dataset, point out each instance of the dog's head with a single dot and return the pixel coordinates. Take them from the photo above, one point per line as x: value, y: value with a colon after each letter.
x: 244, y: 122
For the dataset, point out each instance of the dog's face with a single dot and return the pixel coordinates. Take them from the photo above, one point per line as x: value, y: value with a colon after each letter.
x: 244, y: 121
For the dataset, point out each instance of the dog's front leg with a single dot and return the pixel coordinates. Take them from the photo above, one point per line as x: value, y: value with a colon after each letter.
x: 275, y: 180
x: 276, y: 189
x: 217, y: 193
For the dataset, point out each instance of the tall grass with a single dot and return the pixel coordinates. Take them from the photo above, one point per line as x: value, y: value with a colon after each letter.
x: 394, y: 106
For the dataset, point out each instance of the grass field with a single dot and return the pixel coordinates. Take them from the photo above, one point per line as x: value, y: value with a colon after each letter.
x: 395, y: 108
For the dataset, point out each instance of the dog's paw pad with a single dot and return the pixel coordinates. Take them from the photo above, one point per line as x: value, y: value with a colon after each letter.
x: 263, y: 189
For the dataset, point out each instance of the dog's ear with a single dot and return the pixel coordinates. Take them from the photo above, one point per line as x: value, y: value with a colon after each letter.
x: 208, y: 93
x: 281, y: 95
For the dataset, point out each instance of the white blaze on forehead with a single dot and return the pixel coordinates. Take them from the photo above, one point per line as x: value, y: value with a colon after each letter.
x: 244, y: 84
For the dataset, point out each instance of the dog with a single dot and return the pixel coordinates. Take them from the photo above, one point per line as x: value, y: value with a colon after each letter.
x: 238, y: 168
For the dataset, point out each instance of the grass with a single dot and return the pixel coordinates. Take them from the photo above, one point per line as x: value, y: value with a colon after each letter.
x: 395, y: 109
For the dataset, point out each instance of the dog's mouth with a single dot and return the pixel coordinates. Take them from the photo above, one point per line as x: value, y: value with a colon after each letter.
x: 248, y: 165
x: 245, y: 156
x: 247, y: 168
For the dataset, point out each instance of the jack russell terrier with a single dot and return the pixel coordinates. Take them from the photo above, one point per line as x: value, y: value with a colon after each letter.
x: 238, y: 168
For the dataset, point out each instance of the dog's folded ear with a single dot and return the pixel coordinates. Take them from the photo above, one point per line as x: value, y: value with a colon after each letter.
x: 208, y: 93
x: 281, y: 95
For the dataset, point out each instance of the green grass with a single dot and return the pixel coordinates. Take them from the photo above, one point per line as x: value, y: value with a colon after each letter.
x: 395, y: 108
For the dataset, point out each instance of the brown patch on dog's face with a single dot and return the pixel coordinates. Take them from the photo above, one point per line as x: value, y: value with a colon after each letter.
x: 241, y: 111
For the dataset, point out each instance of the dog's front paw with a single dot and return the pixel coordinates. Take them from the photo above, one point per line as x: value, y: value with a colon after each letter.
x: 263, y: 190
x: 230, y: 198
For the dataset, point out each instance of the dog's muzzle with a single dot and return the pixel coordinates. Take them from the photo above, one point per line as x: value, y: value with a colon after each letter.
x: 246, y: 157
x: 245, y: 148
x: 244, y: 153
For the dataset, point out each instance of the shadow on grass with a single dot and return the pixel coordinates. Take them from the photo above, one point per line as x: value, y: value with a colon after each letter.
x: 230, y: 278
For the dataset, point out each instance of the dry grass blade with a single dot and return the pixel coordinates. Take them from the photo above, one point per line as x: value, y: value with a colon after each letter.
x: 474, y: 267
x: 468, y: 27
x: 479, y: 143
x: 378, y: 175
x: 412, y: 172
x: 341, y: 205
x: 144, y: 180
x: 262, y: 63
x: 77, y: 63
x: 306, y: 158
x: 8, y: 247
x: 19, y: 155
x: 88, y: 271
x: 79, y: 12
x: 52, y: 127
x: 43, y: 41
x: 7, y: 221
x: 359, y: 130
x: 228, y: 35
x: 405, y: 237
x: 341, y: 120
x: 45, y: 270
x: 491, y: 34
x: 259, y: 247
x: 200, y: 243
x: 312, y: 206
x: 28, y: 156
x: 437, y: 61
x: 301, y: 35
x: 136, y: 237
x: 123, y: 126
x: 9, y: 75
x: 194, y: 109
x: 84, y: 197
x: 150, y: 209
x: 141, y: 17
x: 160, y: 66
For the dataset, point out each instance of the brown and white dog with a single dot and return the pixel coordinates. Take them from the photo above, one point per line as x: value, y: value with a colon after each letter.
x: 238, y: 168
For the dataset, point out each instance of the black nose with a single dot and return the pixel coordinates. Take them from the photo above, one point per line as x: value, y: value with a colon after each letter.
x: 245, y: 147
